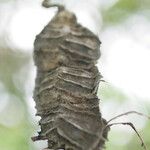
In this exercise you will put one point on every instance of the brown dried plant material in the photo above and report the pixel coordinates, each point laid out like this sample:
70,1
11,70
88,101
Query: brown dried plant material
65,54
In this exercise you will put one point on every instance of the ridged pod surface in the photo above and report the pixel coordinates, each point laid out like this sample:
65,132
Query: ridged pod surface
65,94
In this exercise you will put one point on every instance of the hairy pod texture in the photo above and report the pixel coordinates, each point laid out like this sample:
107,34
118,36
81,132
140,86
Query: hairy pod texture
65,94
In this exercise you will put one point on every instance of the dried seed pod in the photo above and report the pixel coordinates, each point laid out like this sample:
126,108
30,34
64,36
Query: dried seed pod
65,54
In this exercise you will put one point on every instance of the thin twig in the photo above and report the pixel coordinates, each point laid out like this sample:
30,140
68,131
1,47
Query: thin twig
127,113
47,4
133,127
37,138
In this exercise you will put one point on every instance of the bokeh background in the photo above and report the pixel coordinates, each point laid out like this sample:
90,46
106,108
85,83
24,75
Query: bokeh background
124,29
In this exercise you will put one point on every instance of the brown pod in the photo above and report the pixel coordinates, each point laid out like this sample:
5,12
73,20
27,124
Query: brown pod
65,94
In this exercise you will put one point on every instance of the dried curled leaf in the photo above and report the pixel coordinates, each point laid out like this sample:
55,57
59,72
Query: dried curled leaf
65,54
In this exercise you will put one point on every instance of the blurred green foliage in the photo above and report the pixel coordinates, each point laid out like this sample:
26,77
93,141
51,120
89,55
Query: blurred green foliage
110,93
16,136
123,9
